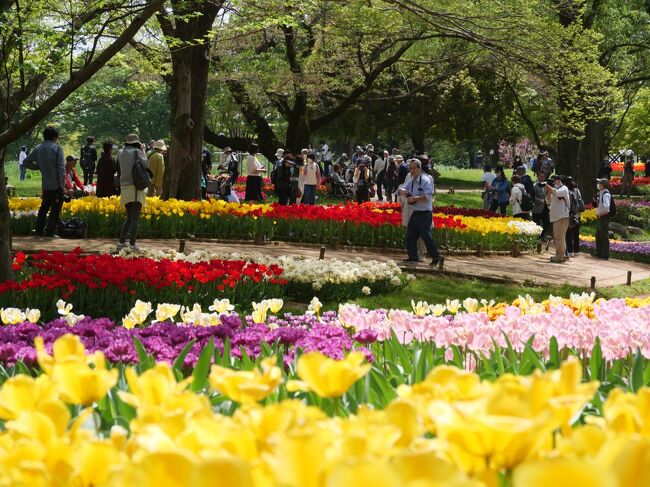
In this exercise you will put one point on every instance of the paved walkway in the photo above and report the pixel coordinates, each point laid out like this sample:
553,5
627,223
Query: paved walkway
531,268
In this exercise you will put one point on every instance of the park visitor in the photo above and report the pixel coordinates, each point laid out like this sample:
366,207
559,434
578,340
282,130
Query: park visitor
131,198
279,158
603,210
390,180
73,184
576,207
311,177
627,180
525,179
380,175
559,207
157,168
361,181
326,157
206,161
487,179
88,160
500,191
286,176
403,170
605,171
418,190
540,206
21,158
106,170
517,198
48,158
254,171
230,165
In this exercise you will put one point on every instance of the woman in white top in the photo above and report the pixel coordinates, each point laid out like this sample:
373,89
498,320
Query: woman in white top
254,175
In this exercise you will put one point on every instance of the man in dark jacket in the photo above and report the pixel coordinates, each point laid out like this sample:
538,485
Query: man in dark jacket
88,160
48,158
526,180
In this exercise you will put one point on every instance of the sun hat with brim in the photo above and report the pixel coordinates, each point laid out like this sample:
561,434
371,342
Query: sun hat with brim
279,153
160,145
399,158
132,139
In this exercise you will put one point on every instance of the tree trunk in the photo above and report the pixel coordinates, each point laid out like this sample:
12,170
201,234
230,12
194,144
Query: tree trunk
592,152
188,93
6,270
568,149
298,129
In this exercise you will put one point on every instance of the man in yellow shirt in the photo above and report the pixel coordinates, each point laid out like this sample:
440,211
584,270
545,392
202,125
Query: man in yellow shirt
157,168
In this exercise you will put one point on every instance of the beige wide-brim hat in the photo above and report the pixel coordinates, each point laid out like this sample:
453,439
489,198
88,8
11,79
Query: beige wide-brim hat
160,145
132,139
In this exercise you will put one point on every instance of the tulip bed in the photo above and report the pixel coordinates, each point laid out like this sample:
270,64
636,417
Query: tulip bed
107,285
464,393
369,224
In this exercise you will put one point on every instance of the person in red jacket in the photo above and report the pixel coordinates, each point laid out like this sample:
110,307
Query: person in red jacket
73,184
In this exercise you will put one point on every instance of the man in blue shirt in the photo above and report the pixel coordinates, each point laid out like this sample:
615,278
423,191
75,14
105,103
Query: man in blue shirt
418,189
48,158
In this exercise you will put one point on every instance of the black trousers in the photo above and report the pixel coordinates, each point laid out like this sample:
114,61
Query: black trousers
573,239
52,202
89,174
602,237
130,226
544,221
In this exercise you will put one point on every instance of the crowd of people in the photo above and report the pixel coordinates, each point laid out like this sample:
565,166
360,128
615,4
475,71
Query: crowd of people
553,202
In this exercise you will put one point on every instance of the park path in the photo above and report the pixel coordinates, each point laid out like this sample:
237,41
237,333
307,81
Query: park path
525,269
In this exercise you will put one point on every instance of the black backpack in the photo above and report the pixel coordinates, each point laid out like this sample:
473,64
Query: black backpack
72,228
141,175
612,205
527,201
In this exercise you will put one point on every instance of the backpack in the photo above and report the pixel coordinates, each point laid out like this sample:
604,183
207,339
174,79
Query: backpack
579,202
73,228
527,201
86,157
362,179
391,173
141,175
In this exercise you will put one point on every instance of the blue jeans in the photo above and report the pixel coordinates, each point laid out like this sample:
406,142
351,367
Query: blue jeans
309,194
419,226
23,171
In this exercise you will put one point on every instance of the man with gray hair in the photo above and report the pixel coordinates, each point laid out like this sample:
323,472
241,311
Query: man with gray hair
418,190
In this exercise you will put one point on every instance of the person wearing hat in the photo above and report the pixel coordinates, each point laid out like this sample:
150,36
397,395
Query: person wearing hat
286,181
403,170
157,168
106,171
72,182
131,198
21,166
230,165
418,191
604,200
88,160
560,204
279,157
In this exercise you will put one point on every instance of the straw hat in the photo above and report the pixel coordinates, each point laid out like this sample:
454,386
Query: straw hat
160,145
279,153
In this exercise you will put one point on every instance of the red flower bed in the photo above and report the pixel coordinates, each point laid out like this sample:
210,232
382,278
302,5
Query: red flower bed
615,182
114,281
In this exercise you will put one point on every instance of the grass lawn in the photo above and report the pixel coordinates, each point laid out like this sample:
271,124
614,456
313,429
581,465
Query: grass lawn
31,186
464,200
453,177
638,288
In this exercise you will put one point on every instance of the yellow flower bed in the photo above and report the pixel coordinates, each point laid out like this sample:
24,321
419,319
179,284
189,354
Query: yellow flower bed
451,429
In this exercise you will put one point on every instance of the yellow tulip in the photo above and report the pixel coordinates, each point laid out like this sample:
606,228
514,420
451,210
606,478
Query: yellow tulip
24,393
246,386
328,377
421,308
377,474
153,387
625,412
470,305
259,311
275,305
570,473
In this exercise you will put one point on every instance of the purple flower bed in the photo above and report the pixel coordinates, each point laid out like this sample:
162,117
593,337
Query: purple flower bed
166,340
636,251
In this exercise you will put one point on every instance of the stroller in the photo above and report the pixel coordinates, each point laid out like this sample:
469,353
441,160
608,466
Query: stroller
220,187
341,189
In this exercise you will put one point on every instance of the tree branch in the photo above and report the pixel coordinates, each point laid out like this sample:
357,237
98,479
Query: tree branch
79,77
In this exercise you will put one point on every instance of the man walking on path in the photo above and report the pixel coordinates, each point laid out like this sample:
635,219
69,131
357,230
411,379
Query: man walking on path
559,216
418,190
89,160
48,158
602,212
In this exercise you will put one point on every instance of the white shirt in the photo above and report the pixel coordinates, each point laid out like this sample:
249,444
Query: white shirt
516,196
380,165
21,157
604,202
488,177
253,166
560,204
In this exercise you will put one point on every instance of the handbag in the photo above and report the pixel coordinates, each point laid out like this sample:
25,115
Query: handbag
141,175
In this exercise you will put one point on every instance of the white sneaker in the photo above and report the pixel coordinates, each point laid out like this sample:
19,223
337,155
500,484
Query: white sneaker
134,248
120,246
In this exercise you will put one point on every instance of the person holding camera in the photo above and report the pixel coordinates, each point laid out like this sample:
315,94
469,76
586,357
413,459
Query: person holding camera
48,158
560,204
418,190
540,206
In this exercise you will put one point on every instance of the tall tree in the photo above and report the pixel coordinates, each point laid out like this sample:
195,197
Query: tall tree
39,40
187,27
